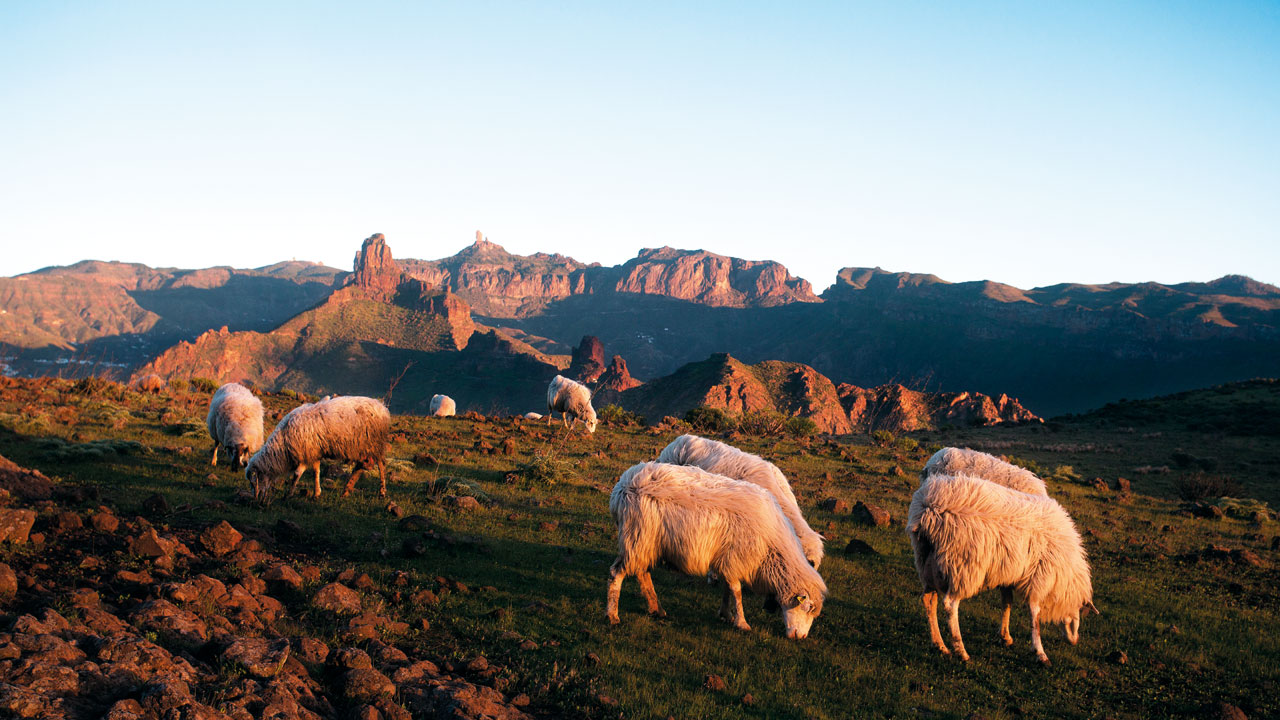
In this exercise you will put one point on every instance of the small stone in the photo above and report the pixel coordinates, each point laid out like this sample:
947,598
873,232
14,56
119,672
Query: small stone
548,526
462,503
521,700
748,699
65,522
858,547
1122,485
714,683
337,598
156,504
260,657
478,663
283,576
834,505
395,510
1119,657
366,684
8,583
311,650
150,544
593,658
528,645
220,539
15,525
414,523
104,522
606,700
1226,711
871,514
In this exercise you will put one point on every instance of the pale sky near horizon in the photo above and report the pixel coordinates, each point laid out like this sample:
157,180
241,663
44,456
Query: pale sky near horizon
1028,143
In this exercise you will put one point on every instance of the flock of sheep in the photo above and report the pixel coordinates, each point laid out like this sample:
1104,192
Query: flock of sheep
709,509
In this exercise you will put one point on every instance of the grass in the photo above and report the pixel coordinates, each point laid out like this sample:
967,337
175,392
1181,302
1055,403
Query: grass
535,564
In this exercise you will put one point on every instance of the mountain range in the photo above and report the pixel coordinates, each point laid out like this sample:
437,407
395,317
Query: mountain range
451,324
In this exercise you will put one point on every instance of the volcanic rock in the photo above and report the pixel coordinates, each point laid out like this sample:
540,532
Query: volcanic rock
15,524
871,514
220,539
337,598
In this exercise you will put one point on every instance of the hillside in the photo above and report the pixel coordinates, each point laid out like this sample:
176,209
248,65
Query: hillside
796,390
1064,348
476,589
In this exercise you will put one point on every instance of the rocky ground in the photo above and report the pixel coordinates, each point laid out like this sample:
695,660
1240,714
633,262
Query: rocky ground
128,618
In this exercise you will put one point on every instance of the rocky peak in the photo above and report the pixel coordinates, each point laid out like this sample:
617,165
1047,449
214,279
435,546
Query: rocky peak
375,271
616,377
899,409
711,279
587,363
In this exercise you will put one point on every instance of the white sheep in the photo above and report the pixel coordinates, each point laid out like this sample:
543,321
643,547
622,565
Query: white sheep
349,428
699,522
970,535
569,397
963,461
532,416
722,459
149,383
443,406
235,423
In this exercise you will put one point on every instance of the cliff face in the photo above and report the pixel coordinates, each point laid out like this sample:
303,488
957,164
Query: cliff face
500,284
375,271
897,409
587,362
711,279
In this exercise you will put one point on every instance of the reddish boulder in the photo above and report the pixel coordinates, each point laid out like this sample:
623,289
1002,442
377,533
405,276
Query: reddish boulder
220,539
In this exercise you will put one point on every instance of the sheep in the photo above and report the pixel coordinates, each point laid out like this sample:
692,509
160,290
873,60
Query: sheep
235,423
570,398
970,535
963,461
150,383
722,459
351,428
532,416
700,522
443,406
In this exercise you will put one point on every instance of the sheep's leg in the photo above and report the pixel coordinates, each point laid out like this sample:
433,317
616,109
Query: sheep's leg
616,576
650,597
1035,633
1006,594
952,606
550,412
739,618
317,469
214,460
356,472
724,602
930,600
298,472
564,417
382,476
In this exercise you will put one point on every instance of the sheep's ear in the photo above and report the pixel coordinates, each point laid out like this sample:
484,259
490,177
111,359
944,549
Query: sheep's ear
822,537
798,600
1089,607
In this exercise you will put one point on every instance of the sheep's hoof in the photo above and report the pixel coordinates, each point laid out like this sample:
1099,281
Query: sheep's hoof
613,620
943,649
346,493
1007,640
659,613
742,626
1044,660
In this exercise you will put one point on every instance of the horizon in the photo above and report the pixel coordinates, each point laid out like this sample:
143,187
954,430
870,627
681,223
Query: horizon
817,289
1030,146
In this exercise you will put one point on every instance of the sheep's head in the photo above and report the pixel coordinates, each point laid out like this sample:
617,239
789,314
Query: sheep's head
798,612
591,420
1072,624
259,481
240,456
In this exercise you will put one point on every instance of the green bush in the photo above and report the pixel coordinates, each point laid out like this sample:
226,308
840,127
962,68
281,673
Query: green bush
802,426
762,422
177,384
93,385
202,384
544,470
906,444
1200,485
1031,465
710,420
614,416
882,438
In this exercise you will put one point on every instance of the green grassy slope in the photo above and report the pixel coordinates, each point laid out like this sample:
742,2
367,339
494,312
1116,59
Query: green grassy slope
544,550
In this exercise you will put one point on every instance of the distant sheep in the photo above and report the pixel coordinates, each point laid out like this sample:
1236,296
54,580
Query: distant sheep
970,535
698,522
532,416
443,406
568,397
150,383
349,428
963,461
235,423
721,459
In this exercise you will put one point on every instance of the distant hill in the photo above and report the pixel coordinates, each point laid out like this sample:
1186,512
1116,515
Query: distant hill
1063,348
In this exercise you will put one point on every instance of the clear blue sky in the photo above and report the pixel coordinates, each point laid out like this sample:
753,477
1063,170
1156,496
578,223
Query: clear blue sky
1029,143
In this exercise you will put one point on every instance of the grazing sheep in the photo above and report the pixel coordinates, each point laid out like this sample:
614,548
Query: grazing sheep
963,461
235,423
150,383
722,459
699,522
568,397
971,535
532,416
350,428
443,406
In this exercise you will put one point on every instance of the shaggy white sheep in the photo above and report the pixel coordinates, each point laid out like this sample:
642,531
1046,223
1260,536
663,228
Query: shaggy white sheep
443,406
699,522
722,459
235,423
963,461
532,416
971,535
350,428
569,397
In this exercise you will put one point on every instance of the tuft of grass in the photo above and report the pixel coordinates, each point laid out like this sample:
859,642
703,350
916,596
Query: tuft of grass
1200,485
